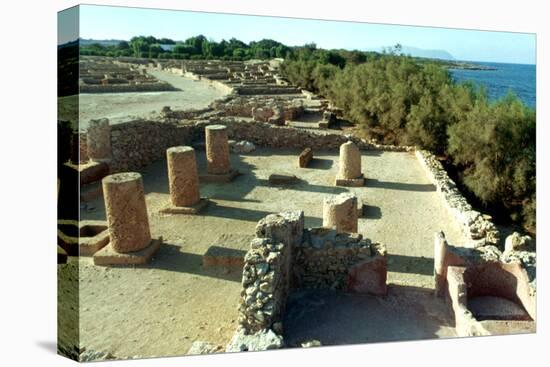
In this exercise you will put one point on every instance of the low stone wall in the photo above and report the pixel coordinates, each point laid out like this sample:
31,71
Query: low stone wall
137,144
342,261
283,256
119,88
479,230
268,135
260,108
267,268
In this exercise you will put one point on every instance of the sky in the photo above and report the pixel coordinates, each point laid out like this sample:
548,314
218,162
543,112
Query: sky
102,22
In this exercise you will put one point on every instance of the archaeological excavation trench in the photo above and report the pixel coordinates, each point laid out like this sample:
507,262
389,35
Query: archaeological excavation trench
228,225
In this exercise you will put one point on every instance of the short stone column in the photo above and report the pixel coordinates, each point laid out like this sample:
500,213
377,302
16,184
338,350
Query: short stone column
341,212
130,241
350,166
217,150
440,266
126,212
183,177
99,140
183,181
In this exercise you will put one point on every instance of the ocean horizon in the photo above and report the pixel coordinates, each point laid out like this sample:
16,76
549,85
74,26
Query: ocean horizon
519,78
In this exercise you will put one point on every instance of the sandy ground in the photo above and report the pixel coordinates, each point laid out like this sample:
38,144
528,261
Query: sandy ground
335,318
160,309
118,107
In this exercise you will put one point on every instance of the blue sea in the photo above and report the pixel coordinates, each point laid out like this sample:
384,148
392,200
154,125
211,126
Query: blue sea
520,78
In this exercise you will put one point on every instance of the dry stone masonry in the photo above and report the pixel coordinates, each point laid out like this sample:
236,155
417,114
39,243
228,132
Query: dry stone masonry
266,281
475,226
138,143
285,256
104,75
98,140
343,261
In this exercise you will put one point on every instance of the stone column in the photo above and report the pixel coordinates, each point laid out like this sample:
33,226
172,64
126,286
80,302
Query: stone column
440,266
217,150
183,176
126,212
341,212
99,140
350,161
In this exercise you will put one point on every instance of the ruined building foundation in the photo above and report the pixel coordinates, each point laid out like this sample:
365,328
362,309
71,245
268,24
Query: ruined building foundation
350,166
126,212
341,213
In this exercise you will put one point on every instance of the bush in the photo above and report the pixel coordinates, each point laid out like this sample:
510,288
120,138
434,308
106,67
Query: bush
495,144
397,100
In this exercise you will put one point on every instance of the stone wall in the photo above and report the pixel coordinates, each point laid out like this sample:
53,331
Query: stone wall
478,229
119,88
267,135
342,261
260,108
137,144
267,269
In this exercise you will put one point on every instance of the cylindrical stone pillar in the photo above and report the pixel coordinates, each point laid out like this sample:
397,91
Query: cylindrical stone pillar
350,161
99,140
126,212
341,212
217,149
440,266
183,176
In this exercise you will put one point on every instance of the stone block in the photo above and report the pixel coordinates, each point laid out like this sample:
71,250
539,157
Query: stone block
305,157
219,178
282,179
108,256
350,182
369,276
189,210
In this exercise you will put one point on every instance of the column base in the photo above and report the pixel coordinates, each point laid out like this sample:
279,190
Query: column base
191,210
219,178
108,256
350,182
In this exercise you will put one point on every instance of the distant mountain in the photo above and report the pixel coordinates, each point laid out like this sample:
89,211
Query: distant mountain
429,54
418,52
